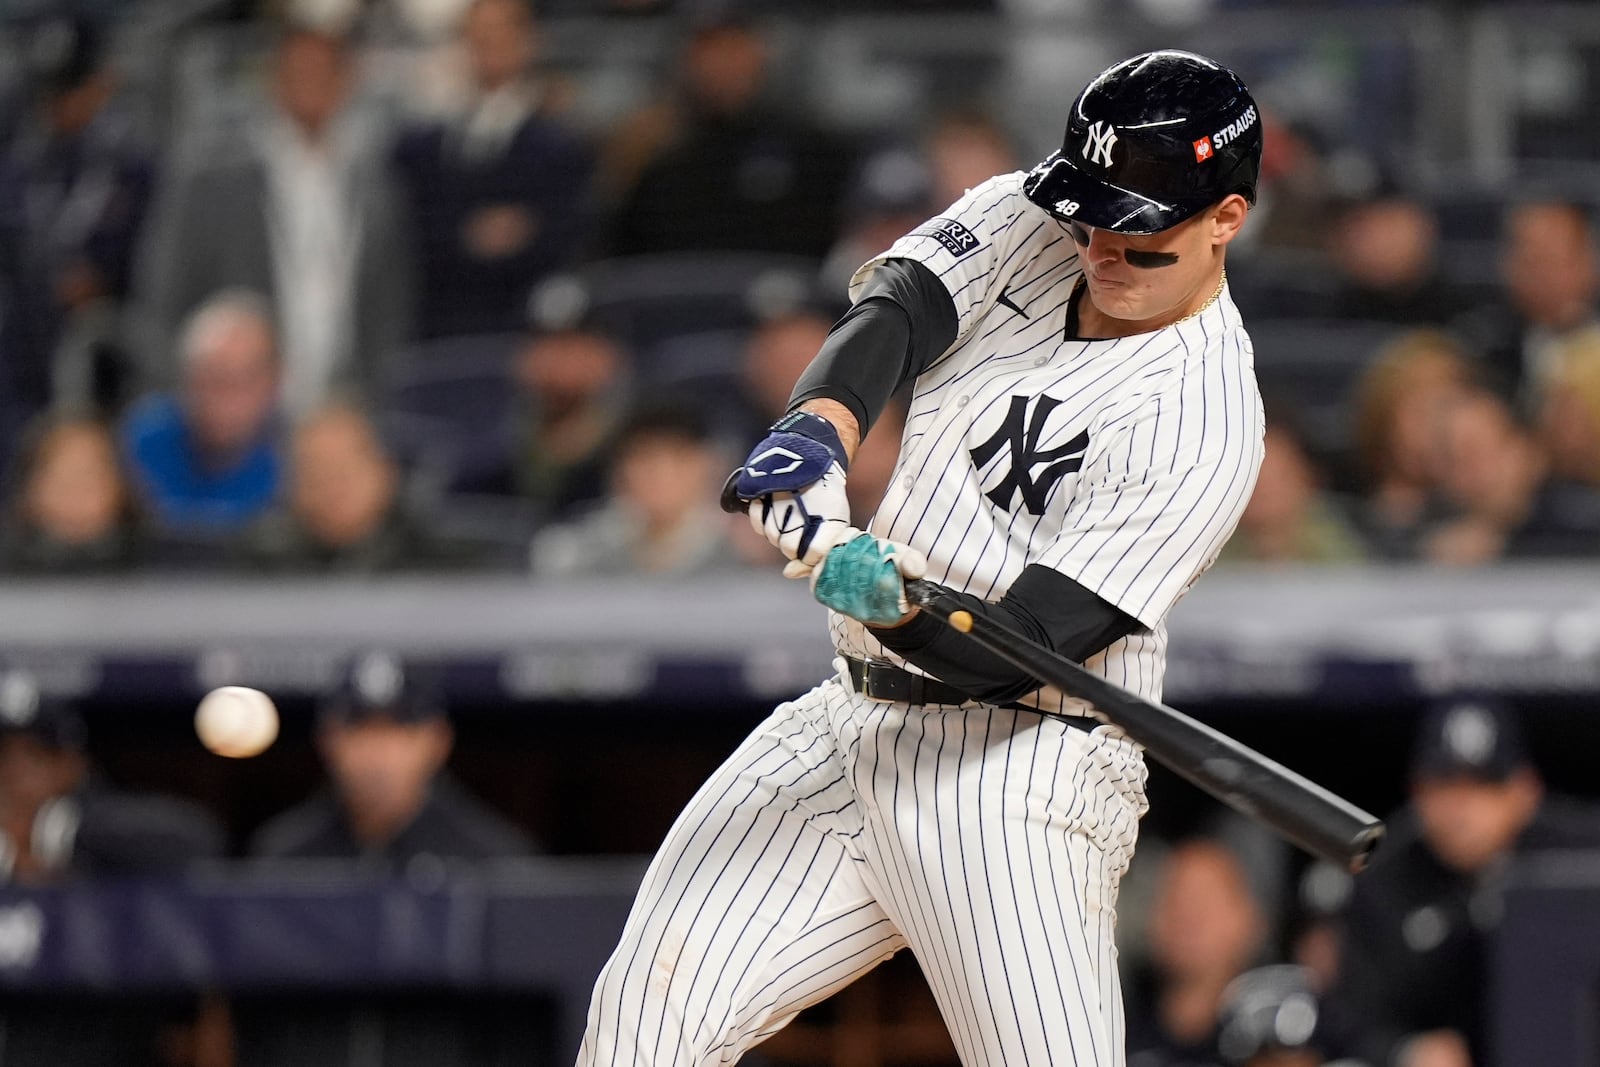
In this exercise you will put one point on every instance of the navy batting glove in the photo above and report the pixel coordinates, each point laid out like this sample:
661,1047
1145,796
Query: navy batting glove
792,486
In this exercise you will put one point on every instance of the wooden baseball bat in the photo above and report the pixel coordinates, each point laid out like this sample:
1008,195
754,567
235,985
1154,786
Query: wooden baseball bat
1322,823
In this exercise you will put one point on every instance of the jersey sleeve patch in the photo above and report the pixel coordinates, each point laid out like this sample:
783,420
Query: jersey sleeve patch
956,238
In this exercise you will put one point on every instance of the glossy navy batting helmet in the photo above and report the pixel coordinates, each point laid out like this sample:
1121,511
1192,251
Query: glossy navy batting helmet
1152,141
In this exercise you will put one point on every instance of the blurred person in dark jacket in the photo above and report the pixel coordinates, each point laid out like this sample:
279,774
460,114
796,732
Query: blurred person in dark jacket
75,186
718,167
1550,280
59,820
297,204
71,510
1419,920
392,810
661,517
346,511
208,458
500,192
1384,250
384,738
571,375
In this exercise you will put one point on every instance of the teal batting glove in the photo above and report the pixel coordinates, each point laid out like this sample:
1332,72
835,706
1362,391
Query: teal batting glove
864,577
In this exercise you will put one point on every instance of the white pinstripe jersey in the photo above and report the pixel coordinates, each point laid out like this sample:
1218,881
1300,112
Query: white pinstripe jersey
1124,463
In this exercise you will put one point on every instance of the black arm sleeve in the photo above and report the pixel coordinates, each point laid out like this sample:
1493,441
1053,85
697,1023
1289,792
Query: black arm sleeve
903,321
1042,604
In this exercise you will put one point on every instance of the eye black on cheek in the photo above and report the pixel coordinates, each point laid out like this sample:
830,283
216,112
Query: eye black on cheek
1149,260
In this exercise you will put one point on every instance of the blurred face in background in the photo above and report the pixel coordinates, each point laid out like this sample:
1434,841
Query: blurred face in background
230,382
500,41
965,151
382,768
1569,415
74,491
1468,821
1205,921
311,79
344,482
775,356
1386,244
1491,468
569,370
1548,264
724,69
33,772
662,477
1405,397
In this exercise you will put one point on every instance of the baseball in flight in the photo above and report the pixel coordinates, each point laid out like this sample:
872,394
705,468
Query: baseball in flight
236,721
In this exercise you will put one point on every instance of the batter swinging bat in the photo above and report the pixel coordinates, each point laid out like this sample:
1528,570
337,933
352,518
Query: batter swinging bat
1318,821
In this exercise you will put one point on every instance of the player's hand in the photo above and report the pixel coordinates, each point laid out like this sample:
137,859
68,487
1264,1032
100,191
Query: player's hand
864,577
792,487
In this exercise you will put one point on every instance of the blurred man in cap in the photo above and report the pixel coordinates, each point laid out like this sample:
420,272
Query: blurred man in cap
1419,920
58,820
384,738
389,808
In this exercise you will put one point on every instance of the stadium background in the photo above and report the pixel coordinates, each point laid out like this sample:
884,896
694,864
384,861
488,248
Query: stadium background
589,699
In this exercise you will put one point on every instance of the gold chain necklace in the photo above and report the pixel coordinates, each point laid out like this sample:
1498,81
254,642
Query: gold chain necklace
1212,299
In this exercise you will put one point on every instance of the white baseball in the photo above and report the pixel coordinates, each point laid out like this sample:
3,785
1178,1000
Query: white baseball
236,721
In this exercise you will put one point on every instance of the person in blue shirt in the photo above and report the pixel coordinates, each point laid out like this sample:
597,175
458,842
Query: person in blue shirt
207,459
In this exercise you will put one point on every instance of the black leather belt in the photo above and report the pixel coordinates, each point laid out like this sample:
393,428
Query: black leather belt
884,681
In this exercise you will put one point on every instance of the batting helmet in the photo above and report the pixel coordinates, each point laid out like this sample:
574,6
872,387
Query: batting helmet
1150,142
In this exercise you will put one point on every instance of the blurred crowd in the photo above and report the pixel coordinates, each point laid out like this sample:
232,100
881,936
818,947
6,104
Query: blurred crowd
392,304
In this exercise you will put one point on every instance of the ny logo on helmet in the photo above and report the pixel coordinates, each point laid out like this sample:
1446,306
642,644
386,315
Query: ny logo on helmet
1101,140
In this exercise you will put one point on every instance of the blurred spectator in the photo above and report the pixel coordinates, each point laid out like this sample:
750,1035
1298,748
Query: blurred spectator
207,458
345,510
303,213
1401,403
776,352
71,510
75,183
1420,918
390,808
1206,927
499,193
1294,201
719,167
662,517
1494,479
1569,413
892,194
385,739
1551,279
1385,251
571,377
59,820
964,150
1290,517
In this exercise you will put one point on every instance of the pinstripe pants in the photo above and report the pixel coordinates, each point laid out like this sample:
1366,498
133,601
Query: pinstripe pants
990,842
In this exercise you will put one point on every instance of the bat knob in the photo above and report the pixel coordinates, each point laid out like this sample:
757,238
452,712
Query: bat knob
961,620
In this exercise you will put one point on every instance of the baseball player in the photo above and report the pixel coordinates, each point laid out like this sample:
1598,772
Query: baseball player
1083,433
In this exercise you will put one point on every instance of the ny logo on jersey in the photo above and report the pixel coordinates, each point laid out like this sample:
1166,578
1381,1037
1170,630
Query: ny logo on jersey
1022,431
1098,145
